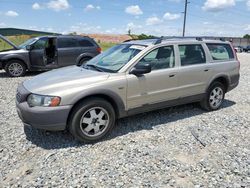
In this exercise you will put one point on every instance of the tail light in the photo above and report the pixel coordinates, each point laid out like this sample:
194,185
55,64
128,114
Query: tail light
99,49
235,55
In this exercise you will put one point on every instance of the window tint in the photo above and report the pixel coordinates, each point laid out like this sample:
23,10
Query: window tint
191,54
85,43
67,43
40,44
220,51
160,58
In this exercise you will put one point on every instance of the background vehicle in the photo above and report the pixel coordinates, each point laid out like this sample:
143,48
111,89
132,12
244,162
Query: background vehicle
246,49
238,49
127,79
47,52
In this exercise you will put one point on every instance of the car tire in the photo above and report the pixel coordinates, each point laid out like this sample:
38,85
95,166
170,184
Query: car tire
15,68
91,120
214,97
83,61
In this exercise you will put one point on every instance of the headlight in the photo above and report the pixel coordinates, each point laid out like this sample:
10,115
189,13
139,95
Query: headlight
40,100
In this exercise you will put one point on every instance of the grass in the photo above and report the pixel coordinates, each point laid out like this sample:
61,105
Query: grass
19,39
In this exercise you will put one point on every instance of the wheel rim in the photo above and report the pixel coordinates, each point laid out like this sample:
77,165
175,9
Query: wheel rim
15,69
216,97
94,121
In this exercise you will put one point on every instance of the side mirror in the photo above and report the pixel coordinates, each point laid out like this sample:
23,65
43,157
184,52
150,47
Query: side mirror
139,70
28,47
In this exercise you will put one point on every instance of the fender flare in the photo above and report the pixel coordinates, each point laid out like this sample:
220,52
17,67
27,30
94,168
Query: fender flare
15,56
78,59
226,77
114,98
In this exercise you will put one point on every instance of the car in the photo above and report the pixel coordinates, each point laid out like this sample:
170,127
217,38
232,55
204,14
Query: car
127,79
46,53
238,49
246,49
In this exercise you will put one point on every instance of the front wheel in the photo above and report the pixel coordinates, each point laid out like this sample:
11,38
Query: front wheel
15,68
214,97
91,120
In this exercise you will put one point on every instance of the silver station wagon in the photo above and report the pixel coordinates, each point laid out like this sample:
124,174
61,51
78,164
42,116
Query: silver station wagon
129,78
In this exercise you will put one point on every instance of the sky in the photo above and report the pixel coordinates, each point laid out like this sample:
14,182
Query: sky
155,17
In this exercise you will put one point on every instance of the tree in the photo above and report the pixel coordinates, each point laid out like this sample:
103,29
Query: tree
246,36
143,36
129,31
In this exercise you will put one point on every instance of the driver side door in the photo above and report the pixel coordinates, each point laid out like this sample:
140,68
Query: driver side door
37,53
160,85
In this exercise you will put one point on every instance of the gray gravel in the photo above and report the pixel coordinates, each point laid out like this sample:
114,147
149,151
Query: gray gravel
155,149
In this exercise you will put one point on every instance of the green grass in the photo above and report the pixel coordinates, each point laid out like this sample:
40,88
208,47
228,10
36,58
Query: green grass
106,45
21,38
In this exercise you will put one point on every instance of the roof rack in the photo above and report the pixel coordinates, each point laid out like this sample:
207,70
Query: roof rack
159,40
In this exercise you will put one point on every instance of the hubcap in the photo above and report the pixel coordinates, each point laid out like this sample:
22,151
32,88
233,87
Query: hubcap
94,121
216,97
15,69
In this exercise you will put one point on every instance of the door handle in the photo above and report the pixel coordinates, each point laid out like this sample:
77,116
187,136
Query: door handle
171,75
207,69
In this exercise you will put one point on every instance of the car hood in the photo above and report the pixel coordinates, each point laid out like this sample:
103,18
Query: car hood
57,81
13,51
8,41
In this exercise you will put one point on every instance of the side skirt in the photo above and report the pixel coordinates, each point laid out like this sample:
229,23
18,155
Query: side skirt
165,104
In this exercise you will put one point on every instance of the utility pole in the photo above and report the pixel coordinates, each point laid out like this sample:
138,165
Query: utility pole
185,16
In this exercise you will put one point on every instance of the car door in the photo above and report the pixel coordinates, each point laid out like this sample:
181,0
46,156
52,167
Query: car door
36,52
160,85
68,51
194,71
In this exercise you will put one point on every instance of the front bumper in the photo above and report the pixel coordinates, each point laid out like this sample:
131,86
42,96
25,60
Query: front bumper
47,118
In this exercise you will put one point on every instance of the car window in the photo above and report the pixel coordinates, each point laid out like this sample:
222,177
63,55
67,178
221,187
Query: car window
160,58
40,44
67,43
116,57
191,54
85,43
220,51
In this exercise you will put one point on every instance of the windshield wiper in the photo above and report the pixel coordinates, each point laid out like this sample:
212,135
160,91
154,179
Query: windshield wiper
93,66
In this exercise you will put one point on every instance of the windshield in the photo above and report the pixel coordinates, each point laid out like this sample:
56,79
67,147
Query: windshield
115,58
27,42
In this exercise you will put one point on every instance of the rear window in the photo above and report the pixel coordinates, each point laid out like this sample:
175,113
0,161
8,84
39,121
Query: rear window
220,51
67,43
85,43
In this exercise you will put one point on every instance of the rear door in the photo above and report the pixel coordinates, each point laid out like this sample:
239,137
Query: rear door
160,85
68,51
194,71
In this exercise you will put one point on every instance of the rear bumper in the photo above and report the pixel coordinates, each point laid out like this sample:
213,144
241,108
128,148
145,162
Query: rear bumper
47,118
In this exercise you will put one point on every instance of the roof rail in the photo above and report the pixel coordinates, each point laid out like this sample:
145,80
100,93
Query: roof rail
159,40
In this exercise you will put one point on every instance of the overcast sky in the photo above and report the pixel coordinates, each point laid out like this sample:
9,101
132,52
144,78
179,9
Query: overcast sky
156,17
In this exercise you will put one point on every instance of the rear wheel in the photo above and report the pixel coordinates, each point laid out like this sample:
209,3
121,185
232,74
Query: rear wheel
15,68
214,97
91,120
84,60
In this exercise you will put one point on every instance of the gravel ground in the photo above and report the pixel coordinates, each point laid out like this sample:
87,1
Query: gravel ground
155,149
